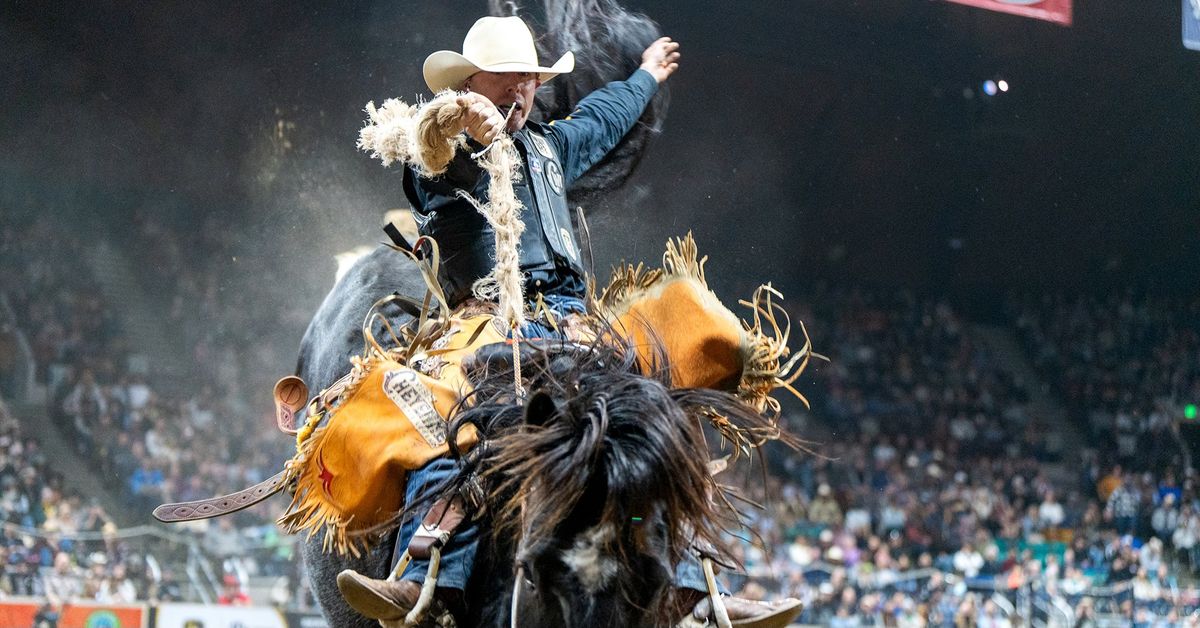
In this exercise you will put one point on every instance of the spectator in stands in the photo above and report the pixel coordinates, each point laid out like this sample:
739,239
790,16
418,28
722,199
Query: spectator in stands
1150,556
1050,512
968,561
223,539
824,509
45,617
138,396
84,405
63,584
14,502
95,578
965,615
1185,536
232,593
146,485
118,588
1122,507
1168,487
989,617
1165,519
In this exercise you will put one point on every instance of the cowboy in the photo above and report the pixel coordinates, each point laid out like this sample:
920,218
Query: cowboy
498,73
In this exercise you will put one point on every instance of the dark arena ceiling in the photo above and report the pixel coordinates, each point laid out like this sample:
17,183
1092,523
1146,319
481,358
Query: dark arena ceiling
806,139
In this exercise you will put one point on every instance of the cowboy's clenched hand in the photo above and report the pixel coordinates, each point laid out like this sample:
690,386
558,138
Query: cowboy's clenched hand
661,59
481,120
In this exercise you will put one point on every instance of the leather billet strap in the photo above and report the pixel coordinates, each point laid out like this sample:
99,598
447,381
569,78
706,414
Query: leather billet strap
703,549
397,238
223,505
436,528
291,394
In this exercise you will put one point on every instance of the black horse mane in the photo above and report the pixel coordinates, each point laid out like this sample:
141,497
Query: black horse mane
590,419
607,41
595,444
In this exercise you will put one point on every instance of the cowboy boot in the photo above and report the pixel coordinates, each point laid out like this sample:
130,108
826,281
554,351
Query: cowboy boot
390,600
743,613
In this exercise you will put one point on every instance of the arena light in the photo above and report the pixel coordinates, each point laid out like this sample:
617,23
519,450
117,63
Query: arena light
1002,84
990,88
1189,412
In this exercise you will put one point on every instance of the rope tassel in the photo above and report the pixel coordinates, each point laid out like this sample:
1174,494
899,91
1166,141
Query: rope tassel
504,284
427,138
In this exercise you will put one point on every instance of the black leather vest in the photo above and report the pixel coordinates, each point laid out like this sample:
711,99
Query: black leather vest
466,240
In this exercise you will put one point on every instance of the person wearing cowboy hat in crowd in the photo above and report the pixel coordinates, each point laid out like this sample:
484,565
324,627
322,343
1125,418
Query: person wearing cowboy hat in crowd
498,73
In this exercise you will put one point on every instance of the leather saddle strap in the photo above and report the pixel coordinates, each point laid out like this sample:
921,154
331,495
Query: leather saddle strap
701,546
435,530
290,396
706,550
223,505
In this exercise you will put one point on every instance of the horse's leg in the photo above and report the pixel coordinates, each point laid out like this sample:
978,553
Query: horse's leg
332,337
489,590
323,568
375,597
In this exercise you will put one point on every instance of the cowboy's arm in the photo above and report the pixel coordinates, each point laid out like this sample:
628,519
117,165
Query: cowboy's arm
599,122
606,115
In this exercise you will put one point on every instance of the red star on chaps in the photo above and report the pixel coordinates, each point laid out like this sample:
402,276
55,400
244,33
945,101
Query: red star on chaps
326,476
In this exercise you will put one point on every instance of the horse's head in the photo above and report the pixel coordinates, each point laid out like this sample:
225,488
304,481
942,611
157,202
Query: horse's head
612,478
601,482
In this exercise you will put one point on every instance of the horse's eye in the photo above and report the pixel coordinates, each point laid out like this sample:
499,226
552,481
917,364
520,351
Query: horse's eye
526,575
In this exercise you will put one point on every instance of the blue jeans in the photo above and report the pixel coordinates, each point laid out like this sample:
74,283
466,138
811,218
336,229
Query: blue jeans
561,305
458,557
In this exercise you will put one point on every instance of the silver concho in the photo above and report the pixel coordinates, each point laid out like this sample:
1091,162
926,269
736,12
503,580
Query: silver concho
554,176
542,146
568,244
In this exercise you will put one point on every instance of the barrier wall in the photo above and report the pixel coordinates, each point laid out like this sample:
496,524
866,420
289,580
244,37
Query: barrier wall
203,616
21,613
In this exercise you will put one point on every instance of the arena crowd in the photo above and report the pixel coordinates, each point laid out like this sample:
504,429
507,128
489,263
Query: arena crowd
933,496
936,489
159,447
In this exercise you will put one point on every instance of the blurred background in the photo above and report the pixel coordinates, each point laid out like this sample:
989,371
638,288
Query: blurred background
988,221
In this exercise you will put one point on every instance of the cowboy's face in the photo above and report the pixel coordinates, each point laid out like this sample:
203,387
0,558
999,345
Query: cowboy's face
505,89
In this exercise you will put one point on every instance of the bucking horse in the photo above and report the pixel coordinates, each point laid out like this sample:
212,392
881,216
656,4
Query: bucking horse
586,462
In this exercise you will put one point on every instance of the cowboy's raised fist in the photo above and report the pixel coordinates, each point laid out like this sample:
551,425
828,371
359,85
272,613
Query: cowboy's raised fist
481,120
661,59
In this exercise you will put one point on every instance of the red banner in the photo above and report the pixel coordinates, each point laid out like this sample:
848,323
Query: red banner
1051,10
81,615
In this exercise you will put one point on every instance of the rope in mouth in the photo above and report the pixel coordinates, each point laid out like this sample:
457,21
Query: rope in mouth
483,152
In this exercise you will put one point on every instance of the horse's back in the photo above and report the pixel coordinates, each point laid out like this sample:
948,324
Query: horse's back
335,333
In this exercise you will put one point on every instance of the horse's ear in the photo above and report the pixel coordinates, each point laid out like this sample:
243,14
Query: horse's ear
540,409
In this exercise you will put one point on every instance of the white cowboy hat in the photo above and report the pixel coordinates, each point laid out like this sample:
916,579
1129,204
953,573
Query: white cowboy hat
494,44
